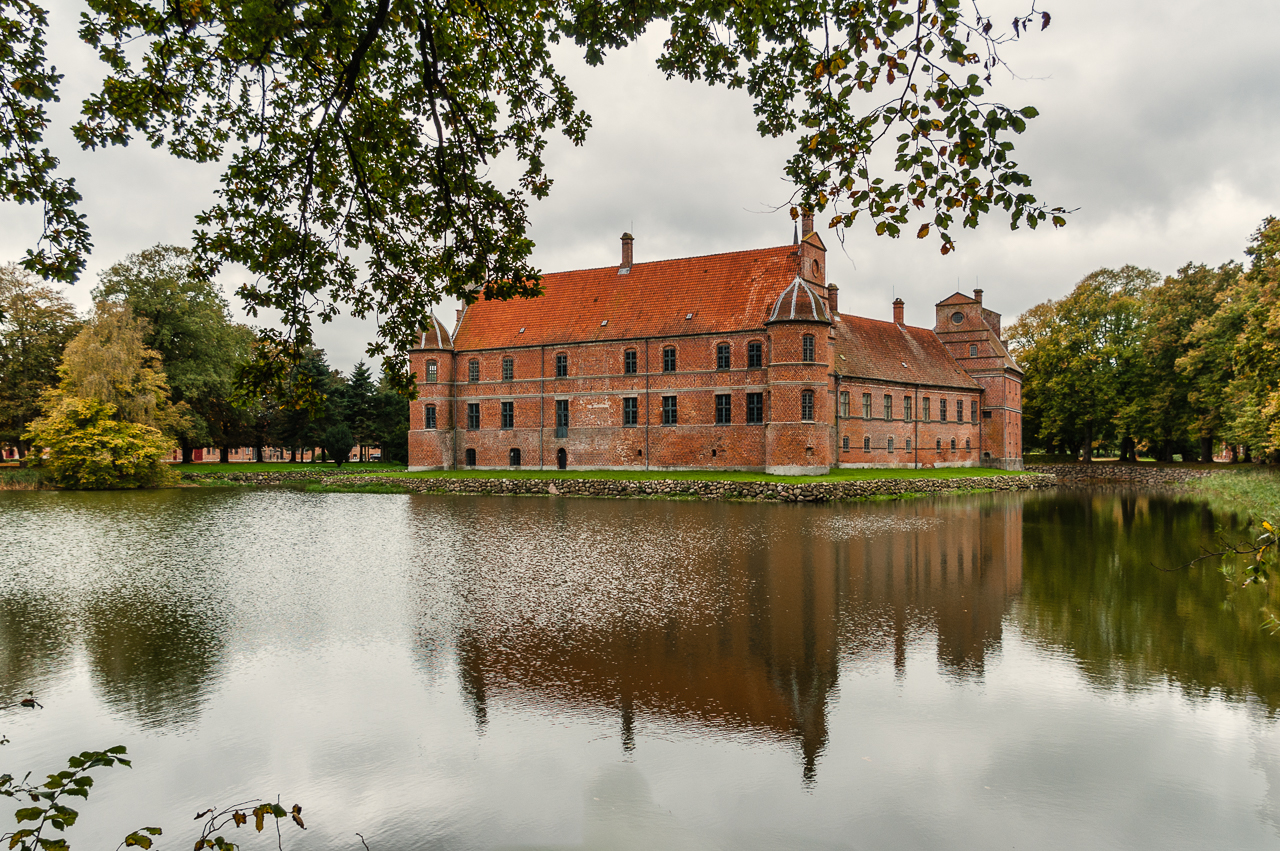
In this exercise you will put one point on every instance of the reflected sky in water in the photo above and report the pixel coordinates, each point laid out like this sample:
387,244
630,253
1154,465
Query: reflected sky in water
471,673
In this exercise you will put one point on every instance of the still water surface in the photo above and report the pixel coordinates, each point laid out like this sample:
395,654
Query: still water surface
992,671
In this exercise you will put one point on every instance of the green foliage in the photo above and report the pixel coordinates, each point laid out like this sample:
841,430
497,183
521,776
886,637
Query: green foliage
89,449
188,323
50,813
355,487
27,170
1174,367
36,323
21,478
357,139
338,443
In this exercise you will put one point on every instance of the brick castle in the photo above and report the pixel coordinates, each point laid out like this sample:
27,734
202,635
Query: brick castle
738,361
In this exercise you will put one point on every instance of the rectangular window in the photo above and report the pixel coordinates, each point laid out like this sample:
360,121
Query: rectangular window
906,408
924,409
806,349
562,418
508,414
562,365
669,359
846,443
755,407
629,362
724,409
844,403
432,372
630,411
473,415
755,356
473,370
508,369
722,356
430,421
986,415
942,410
973,411
866,406
959,410
888,407
806,406
669,416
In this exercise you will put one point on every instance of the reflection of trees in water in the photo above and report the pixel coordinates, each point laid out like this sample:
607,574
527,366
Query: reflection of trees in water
154,660
1091,587
34,637
752,640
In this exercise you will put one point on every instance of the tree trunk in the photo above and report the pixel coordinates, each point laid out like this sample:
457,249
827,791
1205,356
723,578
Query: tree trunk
1088,445
1206,449
188,453
1235,454
293,455
1127,450
224,455
258,453
1248,454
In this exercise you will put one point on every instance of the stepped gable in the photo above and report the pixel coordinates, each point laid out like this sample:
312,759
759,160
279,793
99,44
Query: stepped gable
900,354
434,335
799,303
717,293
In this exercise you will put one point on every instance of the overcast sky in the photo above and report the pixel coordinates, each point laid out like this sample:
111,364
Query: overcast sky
1158,122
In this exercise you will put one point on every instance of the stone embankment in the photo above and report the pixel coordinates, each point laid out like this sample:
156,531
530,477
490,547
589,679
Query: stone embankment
1114,474
697,489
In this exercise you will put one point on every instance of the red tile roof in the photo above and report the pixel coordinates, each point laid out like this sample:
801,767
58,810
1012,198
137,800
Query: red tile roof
718,293
883,351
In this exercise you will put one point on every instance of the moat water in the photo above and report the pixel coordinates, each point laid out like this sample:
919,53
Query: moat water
979,672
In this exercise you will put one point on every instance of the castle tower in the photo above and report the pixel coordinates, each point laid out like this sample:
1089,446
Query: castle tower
971,334
799,415
431,433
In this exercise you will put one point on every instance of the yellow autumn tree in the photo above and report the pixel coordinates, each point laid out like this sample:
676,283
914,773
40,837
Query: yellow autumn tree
107,423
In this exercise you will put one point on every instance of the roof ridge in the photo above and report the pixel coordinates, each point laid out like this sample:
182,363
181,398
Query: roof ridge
788,247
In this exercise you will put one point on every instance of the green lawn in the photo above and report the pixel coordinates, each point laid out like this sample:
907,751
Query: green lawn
286,467
708,475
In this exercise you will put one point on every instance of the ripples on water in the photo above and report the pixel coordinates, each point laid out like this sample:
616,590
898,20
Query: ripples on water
518,672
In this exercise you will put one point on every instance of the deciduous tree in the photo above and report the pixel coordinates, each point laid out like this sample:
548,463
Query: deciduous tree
36,323
358,139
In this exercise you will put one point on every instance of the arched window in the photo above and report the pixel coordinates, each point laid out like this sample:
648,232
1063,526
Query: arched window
866,444
508,369
722,356
806,406
429,420
953,444
908,446
891,444
939,444
432,372
514,457
473,370
966,444
562,365
669,359
806,348
471,457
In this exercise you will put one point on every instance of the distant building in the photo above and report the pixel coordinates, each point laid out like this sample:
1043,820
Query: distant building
737,361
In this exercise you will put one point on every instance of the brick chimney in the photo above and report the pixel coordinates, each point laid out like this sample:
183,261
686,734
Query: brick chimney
457,318
806,223
627,241
977,296
897,311
833,293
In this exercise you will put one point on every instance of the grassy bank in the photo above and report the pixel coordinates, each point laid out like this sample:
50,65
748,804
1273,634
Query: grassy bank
355,487
320,468
21,479
1245,491
708,475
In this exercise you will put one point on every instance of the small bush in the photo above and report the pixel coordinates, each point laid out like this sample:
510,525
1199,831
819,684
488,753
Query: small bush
338,442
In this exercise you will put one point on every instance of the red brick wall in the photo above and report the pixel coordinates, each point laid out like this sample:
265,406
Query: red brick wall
923,434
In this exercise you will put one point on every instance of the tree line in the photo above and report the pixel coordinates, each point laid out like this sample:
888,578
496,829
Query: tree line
160,352
1131,363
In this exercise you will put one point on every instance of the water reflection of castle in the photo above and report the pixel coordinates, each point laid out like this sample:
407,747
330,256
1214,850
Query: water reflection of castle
845,583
